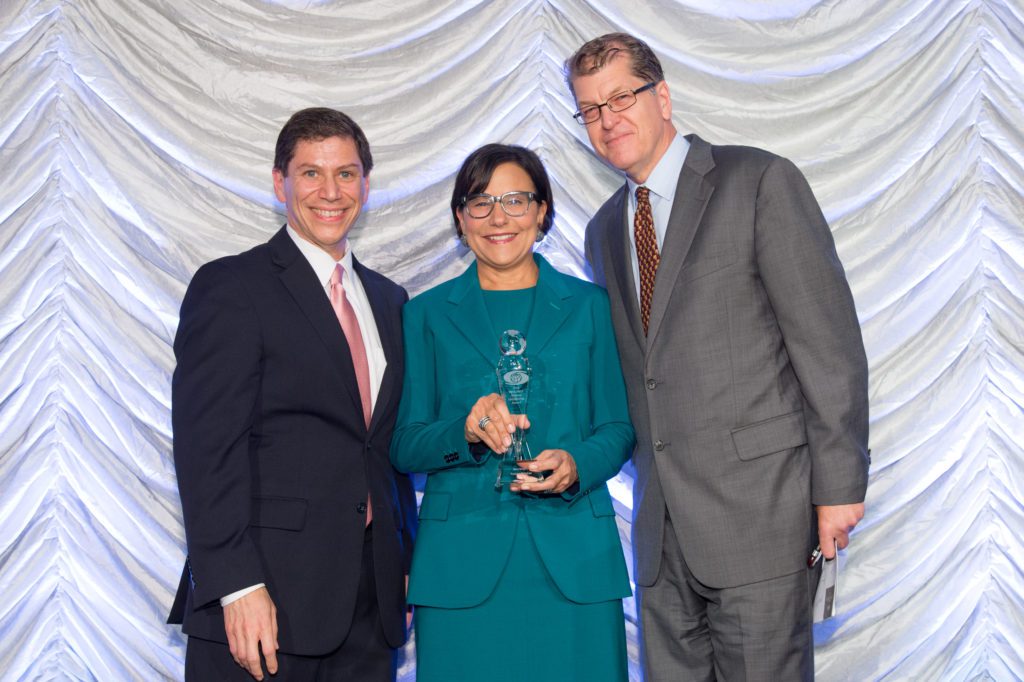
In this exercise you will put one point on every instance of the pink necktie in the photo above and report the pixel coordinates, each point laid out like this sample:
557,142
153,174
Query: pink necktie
350,326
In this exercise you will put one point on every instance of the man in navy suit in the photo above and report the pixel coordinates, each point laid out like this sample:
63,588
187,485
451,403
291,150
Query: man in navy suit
289,371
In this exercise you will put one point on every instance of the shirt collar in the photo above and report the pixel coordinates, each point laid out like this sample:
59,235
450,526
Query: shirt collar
320,260
665,176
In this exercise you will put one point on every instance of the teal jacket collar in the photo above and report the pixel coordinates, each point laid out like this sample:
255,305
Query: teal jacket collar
551,306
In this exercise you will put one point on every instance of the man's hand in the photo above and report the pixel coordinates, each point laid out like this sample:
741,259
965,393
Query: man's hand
834,525
251,623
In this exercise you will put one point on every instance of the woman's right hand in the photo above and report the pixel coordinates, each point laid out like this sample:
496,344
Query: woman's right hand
499,425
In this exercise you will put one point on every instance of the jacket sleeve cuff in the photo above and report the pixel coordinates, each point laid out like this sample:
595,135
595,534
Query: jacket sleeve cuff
478,451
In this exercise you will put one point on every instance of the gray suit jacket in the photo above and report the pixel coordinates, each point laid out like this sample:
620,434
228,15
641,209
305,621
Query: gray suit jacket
749,393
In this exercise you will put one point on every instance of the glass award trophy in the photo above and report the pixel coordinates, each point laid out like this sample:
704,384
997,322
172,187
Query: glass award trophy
513,372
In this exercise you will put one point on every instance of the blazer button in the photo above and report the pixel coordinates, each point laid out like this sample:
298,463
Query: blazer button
651,384
361,508
659,446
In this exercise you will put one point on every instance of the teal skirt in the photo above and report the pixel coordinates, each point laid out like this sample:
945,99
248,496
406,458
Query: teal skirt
525,631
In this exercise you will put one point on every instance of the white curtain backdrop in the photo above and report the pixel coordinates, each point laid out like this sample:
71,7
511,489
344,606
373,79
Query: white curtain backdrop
137,139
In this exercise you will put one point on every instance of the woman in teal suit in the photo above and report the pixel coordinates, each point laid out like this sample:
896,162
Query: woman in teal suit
525,582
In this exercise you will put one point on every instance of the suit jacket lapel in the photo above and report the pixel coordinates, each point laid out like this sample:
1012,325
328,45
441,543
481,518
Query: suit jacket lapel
301,282
384,318
693,191
550,307
469,315
617,247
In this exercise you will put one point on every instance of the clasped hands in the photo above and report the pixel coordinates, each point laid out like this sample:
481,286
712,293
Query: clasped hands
489,422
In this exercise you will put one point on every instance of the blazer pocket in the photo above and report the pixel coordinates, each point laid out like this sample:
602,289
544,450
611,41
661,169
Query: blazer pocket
434,507
284,513
705,266
601,505
770,436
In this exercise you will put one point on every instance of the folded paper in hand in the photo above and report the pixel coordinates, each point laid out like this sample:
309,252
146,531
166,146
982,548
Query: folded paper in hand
828,585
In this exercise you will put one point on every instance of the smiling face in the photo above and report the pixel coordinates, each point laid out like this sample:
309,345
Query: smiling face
503,245
632,140
323,191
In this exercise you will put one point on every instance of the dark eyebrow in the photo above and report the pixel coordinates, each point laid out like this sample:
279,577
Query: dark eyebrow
348,166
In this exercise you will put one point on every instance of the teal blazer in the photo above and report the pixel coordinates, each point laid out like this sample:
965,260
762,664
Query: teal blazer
577,403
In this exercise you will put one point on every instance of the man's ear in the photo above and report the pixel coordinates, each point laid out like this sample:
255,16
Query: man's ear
664,100
279,185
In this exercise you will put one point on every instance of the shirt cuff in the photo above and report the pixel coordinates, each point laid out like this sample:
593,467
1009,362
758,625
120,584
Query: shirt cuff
235,596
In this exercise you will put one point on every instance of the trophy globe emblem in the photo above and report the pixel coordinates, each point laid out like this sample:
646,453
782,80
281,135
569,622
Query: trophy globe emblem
513,372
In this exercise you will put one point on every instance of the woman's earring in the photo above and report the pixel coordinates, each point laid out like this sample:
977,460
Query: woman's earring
540,236
462,238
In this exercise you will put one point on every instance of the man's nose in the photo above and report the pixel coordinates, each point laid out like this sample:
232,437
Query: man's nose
608,117
331,189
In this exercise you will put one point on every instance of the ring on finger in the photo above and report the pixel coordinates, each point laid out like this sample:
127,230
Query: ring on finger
484,421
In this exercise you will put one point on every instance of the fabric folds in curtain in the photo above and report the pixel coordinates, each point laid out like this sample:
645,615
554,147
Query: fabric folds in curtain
137,138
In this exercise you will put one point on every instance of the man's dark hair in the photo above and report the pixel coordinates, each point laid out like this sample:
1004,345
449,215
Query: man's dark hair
595,54
319,123
479,166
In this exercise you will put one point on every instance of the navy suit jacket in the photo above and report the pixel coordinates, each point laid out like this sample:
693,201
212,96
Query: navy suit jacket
273,458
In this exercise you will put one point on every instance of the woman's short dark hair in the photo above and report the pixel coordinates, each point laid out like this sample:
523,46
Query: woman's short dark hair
319,123
479,166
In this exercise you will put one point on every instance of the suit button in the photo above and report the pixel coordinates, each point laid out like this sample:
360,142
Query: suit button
361,508
651,383
659,446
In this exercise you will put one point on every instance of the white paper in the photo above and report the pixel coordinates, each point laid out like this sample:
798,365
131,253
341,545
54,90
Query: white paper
828,587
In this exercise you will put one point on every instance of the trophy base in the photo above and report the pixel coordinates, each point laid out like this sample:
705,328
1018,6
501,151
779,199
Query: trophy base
509,472
509,469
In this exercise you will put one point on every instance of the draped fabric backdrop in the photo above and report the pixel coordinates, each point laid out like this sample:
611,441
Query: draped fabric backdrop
137,139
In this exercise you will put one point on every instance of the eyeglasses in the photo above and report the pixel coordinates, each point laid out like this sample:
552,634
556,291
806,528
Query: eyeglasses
514,204
617,102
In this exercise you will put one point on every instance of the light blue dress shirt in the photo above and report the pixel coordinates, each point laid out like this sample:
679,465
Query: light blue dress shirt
662,183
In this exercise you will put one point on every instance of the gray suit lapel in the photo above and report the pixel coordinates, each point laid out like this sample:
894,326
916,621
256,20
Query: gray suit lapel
693,191
618,261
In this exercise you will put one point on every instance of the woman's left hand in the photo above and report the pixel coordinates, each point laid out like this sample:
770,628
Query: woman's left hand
563,473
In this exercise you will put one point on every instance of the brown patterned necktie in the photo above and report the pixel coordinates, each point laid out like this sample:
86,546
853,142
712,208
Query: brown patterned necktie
647,256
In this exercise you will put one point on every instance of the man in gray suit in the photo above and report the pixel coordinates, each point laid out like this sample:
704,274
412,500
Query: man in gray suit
746,375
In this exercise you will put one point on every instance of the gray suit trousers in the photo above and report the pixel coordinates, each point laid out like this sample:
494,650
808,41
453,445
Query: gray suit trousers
759,631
